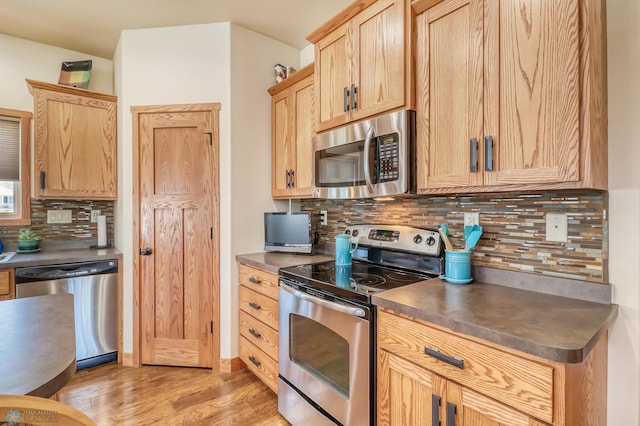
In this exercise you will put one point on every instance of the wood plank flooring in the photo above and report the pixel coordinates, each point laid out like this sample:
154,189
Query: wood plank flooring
151,395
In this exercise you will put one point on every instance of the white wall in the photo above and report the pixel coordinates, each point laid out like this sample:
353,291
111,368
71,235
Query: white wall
20,59
623,38
188,64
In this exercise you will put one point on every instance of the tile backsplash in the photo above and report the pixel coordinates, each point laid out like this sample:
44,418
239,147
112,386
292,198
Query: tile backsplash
80,229
513,227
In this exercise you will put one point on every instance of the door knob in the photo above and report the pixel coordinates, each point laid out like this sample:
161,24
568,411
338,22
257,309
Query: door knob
146,251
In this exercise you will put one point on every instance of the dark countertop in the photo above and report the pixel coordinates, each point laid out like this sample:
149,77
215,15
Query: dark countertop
549,326
272,261
506,312
38,345
53,256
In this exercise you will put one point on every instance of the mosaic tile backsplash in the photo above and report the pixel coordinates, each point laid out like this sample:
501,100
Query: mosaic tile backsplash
80,229
513,225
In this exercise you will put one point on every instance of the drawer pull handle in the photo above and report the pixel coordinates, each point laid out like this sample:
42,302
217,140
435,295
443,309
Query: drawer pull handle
254,280
255,306
254,361
254,333
452,360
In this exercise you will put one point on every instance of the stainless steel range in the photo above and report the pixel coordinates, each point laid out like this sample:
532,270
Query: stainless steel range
327,323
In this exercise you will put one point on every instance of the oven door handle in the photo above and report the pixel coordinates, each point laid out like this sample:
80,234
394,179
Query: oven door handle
367,169
349,310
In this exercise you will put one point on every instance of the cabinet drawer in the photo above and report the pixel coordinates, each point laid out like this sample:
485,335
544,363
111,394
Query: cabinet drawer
259,306
519,382
256,279
258,333
259,363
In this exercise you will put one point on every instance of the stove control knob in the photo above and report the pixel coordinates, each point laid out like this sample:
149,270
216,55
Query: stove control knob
348,232
431,241
417,239
355,233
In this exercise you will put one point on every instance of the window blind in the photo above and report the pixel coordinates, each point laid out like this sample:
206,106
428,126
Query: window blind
9,149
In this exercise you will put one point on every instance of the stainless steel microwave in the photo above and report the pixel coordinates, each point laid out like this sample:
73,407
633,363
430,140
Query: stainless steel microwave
370,158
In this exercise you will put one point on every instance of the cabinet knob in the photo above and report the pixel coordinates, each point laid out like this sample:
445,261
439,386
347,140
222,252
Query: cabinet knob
146,251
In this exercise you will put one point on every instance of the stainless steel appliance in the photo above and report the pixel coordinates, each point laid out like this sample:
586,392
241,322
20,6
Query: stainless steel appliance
327,323
94,286
371,158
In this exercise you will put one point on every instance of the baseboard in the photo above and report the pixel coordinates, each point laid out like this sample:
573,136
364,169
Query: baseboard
231,365
127,359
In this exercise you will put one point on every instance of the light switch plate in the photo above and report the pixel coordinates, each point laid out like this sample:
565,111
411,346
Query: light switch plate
94,216
556,227
58,216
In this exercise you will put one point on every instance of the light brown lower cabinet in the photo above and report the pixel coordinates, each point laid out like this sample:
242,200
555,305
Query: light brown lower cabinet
258,323
428,375
7,284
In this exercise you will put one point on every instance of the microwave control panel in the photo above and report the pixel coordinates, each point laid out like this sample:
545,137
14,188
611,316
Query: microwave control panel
388,158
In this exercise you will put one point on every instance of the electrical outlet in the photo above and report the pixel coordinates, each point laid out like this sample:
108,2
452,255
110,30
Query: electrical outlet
471,219
323,217
94,216
556,227
58,216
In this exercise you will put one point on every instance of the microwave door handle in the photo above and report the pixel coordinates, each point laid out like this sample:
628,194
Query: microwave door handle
356,312
367,169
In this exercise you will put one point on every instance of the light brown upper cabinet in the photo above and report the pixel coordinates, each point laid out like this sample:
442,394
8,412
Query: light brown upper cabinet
363,62
292,130
511,95
75,142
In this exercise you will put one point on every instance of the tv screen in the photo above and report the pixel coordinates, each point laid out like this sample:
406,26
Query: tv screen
287,231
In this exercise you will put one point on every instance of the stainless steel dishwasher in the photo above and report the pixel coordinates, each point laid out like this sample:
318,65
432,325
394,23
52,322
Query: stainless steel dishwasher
94,286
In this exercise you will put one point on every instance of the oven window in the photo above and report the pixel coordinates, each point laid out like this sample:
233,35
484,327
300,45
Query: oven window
320,351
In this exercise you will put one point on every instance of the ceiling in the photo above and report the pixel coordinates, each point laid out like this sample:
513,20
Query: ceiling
93,26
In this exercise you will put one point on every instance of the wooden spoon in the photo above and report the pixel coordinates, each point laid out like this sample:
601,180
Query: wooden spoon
445,238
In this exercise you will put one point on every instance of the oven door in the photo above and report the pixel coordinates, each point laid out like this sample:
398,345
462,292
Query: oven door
324,354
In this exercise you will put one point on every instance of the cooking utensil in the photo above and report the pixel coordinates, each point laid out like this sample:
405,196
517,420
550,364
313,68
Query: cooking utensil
445,238
472,240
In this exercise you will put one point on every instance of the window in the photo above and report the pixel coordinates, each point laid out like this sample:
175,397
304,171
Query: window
15,127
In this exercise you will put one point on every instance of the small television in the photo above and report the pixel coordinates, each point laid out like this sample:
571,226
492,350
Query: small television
287,232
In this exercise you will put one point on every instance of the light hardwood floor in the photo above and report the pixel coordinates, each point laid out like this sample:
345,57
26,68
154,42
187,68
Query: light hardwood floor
150,395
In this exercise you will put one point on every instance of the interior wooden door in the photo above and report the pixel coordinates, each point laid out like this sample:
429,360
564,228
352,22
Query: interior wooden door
178,263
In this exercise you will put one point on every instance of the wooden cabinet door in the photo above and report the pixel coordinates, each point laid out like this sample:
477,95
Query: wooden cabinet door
532,92
468,408
282,144
405,391
378,55
449,94
302,93
333,76
292,148
75,145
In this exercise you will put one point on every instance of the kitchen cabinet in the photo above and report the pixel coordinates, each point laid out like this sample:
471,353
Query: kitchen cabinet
258,323
363,62
7,284
427,372
292,131
75,142
510,95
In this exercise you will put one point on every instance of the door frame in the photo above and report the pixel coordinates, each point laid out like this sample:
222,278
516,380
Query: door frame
136,111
